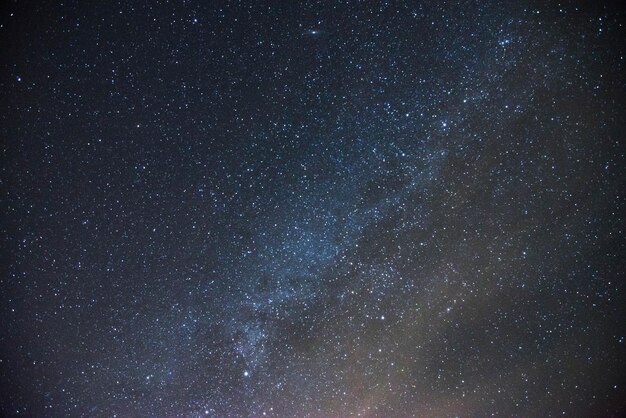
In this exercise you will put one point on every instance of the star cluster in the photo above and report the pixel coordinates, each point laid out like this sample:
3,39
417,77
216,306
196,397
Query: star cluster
375,209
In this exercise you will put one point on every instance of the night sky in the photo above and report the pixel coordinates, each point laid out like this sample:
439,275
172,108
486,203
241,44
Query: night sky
316,209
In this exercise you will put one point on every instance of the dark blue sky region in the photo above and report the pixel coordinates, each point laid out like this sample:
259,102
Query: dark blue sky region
320,209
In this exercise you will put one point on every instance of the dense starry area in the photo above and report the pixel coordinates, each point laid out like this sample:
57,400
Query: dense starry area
323,209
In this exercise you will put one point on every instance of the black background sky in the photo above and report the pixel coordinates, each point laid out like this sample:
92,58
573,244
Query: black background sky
325,209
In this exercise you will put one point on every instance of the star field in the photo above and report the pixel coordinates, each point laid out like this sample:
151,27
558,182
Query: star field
319,209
